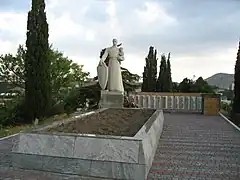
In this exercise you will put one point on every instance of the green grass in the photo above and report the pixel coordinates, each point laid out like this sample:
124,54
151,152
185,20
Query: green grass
7,131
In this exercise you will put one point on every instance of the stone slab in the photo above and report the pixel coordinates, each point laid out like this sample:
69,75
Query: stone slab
111,99
42,144
107,149
91,155
150,134
72,166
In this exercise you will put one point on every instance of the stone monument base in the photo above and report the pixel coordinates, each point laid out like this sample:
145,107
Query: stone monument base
111,99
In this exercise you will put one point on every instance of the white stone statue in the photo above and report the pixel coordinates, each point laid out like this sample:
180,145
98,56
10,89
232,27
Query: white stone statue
116,55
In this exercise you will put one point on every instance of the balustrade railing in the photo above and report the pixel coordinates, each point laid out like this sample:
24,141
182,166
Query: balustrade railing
190,102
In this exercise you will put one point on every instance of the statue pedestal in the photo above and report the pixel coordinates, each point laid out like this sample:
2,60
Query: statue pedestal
111,99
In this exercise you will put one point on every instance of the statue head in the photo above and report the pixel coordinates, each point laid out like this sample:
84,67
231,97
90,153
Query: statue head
115,42
121,49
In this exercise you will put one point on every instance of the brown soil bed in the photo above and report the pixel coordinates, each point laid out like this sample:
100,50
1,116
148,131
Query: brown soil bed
116,122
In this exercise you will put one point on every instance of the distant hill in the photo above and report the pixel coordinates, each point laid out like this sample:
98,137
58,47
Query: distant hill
221,80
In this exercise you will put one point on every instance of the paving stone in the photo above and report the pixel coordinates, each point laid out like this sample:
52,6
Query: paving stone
197,147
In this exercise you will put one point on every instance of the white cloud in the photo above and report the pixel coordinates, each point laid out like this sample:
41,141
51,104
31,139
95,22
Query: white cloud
205,65
81,38
63,26
12,25
153,12
13,22
90,35
6,47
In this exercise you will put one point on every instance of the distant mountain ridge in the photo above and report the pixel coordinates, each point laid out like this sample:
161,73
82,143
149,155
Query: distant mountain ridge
221,80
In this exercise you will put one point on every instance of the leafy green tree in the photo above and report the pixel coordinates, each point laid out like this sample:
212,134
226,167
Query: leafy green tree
64,72
236,100
37,63
12,112
175,87
199,86
202,86
12,68
130,81
186,85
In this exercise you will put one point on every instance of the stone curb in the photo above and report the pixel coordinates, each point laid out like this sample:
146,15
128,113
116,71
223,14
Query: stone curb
57,122
230,122
6,137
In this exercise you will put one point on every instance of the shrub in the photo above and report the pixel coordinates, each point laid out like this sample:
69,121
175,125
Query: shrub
57,108
75,99
226,107
129,103
13,112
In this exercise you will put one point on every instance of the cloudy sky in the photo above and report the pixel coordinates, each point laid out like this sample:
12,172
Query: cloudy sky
202,35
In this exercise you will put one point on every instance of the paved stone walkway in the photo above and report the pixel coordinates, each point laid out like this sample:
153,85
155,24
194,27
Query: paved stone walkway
191,147
197,147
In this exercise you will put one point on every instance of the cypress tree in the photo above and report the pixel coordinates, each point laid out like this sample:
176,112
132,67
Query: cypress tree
147,85
168,75
154,72
161,81
146,80
150,71
37,63
236,101
144,84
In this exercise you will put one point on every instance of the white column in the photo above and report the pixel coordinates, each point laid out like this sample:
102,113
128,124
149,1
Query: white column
167,99
149,101
145,101
199,99
159,102
186,103
193,103
177,102
170,100
181,105
154,102
164,102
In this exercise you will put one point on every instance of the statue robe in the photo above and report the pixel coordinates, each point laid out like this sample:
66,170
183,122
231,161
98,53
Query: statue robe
115,82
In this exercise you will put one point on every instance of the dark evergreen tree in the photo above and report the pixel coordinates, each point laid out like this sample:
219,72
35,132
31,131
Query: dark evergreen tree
162,78
145,81
168,75
154,72
37,63
236,100
149,74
